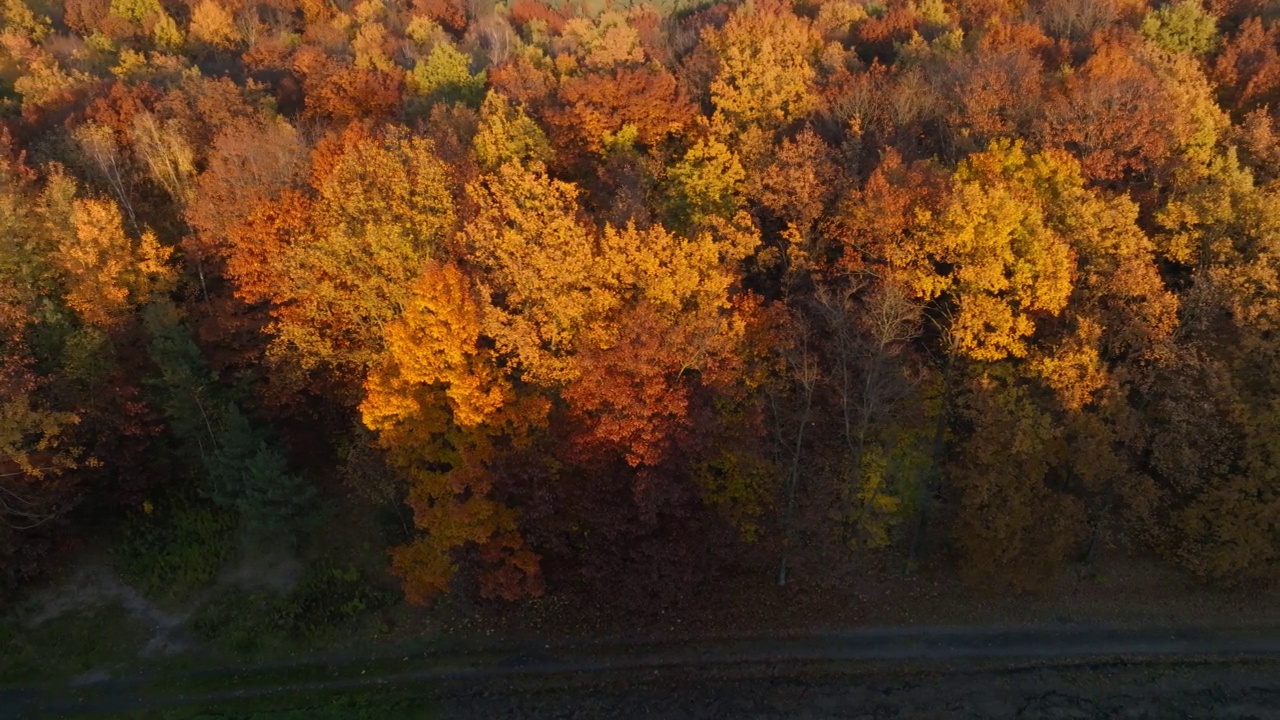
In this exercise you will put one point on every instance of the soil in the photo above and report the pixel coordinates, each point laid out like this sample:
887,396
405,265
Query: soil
1155,692
1130,640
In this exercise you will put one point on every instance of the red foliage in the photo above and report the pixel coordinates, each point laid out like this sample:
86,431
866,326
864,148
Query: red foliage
1248,70
451,14
524,11
592,105
1113,115
349,94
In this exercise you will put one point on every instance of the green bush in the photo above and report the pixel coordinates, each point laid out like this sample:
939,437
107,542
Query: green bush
238,622
178,546
331,595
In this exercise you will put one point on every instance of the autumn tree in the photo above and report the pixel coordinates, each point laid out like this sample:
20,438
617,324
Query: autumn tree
336,266
766,69
444,411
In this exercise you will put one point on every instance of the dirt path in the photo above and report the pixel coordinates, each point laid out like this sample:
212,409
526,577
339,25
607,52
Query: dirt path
691,678
95,584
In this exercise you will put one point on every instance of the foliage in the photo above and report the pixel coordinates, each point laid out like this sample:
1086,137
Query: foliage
175,545
330,597
445,76
1183,26
240,469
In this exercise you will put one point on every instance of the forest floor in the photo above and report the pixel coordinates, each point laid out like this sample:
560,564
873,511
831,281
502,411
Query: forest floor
1128,637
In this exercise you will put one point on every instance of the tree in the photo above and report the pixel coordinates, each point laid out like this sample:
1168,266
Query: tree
445,75
868,371
337,267
507,134
1182,26
766,66
645,101
1211,414
213,25
539,258
107,273
239,468
442,410
1006,265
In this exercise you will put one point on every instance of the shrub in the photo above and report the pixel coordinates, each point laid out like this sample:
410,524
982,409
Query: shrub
175,547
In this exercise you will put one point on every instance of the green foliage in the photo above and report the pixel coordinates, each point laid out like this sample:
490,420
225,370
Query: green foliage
507,134
706,183
240,468
19,18
330,597
1182,26
137,11
251,476
889,484
740,485
175,546
445,76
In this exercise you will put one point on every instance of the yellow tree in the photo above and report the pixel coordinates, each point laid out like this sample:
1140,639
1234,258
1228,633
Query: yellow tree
1004,265
617,323
538,255
1038,283
766,72
381,206
1214,421
507,134
107,274
441,408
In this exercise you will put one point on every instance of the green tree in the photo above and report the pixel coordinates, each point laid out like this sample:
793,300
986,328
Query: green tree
239,467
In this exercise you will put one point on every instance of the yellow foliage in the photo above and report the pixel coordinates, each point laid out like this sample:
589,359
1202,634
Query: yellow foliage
707,183
18,17
383,206
506,134
27,431
605,42
1003,263
437,399
45,82
424,31
542,259
213,25
1074,369
166,33
435,342
368,46
108,274
766,75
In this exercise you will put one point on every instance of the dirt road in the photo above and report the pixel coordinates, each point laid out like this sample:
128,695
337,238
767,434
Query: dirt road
976,672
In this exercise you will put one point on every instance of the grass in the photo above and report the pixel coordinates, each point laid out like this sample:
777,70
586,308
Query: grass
69,645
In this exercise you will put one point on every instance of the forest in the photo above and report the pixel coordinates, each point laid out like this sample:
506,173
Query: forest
562,298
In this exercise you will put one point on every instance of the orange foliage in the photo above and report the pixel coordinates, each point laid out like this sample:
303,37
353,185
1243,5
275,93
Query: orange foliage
348,94
599,106
524,11
1248,70
1114,114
